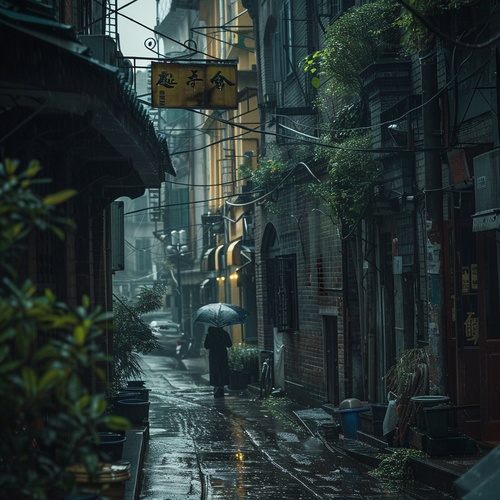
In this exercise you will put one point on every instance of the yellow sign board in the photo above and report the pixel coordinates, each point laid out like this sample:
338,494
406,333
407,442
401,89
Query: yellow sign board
194,84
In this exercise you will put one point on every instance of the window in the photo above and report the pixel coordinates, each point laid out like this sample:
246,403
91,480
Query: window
138,206
143,255
176,215
282,42
282,292
333,8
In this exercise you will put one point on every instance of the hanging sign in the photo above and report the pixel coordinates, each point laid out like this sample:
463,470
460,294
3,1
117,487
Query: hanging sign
194,84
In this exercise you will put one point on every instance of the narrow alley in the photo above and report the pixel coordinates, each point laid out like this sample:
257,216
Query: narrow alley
241,447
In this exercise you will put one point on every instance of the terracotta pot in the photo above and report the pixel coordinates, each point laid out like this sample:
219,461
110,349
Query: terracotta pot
109,484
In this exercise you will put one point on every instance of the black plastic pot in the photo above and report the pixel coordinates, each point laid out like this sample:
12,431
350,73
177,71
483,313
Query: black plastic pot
238,380
135,383
110,446
139,392
136,410
118,396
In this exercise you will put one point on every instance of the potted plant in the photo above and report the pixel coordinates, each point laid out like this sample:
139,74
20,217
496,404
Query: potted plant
243,365
133,336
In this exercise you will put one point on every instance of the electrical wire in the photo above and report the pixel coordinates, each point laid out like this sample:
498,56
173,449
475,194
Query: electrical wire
444,36
184,45
309,139
255,200
300,163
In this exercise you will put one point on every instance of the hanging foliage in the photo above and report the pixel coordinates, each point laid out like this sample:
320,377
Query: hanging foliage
415,35
352,172
357,39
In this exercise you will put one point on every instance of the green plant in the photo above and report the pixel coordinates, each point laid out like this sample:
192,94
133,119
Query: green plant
243,357
131,335
395,466
351,174
268,175
407,378
354,41
48,412
266,178
415,35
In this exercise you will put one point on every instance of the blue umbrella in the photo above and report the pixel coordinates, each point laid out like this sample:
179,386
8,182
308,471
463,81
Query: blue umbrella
220,314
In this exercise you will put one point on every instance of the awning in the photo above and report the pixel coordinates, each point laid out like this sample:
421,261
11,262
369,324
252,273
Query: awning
48,75
233,254
244,267
247,261
208,261
219,258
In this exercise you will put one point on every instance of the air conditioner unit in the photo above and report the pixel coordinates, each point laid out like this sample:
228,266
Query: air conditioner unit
487,181
487,191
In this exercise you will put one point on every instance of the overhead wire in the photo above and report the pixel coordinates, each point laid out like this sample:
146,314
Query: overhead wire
311,139
434,29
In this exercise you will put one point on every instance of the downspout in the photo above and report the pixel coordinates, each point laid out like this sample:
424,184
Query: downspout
347,386
434,222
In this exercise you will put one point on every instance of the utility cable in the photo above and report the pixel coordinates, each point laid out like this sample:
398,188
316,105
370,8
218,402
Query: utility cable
444,36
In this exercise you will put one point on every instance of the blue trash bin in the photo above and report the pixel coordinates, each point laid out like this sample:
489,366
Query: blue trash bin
350,422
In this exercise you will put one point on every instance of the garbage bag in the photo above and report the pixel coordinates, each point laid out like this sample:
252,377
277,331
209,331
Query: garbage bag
391,416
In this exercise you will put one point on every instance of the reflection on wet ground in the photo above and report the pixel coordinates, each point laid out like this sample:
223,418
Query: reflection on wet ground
236,448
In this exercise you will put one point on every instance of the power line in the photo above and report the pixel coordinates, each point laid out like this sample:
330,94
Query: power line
444,36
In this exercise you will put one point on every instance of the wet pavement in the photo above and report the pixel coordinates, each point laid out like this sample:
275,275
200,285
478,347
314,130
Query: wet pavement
240,447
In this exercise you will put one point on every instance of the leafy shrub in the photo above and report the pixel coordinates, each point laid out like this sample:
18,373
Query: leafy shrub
131,335
48,414
243,357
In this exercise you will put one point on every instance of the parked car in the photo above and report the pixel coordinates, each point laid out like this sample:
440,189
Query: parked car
167,332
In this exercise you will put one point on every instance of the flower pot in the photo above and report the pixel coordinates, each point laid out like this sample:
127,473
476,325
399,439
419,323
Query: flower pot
109,483
142,391
238,380
124,395
110,446
378,411
135,383
136,410
423,402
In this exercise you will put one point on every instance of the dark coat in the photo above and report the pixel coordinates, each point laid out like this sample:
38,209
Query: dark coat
217,341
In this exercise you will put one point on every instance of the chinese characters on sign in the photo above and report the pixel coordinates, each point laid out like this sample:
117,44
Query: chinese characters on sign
194,84
471,328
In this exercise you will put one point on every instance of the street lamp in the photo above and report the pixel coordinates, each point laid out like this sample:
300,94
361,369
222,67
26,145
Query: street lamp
178,248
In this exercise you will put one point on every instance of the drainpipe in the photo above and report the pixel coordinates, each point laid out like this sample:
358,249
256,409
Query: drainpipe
434,222
346,388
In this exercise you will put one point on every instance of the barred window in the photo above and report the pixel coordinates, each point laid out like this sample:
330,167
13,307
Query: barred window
282,292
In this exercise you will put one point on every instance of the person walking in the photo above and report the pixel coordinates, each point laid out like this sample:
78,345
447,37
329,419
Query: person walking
217,341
